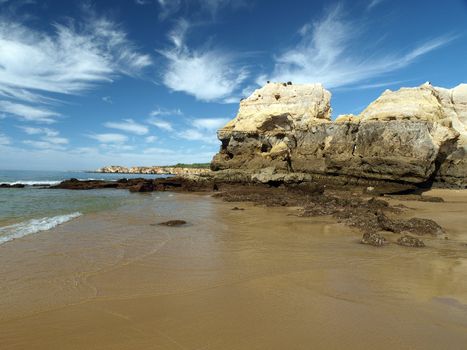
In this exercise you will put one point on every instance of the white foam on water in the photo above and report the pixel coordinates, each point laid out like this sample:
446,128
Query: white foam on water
9,233
31,183
47,182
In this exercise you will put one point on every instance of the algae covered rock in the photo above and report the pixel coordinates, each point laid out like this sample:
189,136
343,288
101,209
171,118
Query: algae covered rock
374,239
410,241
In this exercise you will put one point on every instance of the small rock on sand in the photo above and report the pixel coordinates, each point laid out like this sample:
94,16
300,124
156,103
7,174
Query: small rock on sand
237,208
173,223
374,239
410,241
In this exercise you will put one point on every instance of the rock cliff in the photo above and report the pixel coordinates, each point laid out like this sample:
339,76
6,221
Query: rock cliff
284,132
163,170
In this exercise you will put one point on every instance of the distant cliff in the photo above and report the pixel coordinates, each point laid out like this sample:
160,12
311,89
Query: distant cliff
167,170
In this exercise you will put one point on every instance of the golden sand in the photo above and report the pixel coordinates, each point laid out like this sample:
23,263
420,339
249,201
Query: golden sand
257,278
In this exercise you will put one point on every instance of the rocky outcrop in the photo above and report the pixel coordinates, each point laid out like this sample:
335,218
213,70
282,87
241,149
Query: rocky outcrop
162,170
284,133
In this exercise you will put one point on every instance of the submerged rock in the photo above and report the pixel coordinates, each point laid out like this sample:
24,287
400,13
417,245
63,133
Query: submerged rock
410,241
173,223
374,239
11,185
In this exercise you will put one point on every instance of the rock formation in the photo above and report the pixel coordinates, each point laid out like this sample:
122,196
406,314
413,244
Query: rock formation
163,170
284,132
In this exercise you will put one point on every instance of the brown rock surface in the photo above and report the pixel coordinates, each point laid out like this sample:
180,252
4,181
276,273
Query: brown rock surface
414,135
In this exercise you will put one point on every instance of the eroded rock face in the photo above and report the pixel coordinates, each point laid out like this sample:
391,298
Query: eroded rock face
414,135
282,106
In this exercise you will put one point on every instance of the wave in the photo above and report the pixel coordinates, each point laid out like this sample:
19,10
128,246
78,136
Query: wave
9,233
32,183
44,182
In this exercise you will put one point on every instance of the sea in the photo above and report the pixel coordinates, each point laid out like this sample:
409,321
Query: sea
32,209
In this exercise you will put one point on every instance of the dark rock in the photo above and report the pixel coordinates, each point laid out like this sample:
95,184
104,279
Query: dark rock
12,186
374,239
423,227
173,223
75,184
237,208
144,186
410,241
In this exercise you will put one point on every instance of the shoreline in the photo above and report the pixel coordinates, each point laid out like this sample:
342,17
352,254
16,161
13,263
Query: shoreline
232,278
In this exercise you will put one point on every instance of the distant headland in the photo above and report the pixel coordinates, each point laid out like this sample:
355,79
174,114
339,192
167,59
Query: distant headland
177,169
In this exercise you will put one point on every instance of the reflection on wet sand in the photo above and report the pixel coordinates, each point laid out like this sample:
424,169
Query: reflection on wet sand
251,279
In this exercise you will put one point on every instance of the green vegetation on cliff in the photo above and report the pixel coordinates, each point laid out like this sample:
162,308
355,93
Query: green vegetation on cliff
193,165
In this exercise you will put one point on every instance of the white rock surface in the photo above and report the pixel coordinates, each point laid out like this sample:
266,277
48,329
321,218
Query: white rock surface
282,106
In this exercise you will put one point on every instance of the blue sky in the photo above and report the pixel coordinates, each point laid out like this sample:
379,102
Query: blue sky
148,82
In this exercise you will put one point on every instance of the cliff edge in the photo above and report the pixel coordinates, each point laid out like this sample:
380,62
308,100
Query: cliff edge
284,132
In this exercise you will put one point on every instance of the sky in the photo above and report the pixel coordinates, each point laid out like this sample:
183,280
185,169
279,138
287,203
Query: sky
84,84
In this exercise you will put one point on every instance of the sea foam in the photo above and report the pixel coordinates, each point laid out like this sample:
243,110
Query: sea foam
9,233
31,183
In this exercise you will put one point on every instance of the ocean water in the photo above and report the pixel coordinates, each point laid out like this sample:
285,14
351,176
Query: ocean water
29,210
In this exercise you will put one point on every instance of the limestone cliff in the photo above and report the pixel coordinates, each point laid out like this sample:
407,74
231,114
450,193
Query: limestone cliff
163,170
284,131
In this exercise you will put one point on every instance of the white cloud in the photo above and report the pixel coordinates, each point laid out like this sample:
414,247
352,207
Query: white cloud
107,99
210,123
49,138
57,140
168,8
200,7
109,138
142,2
150,139
27,112
128,125
38,131
207,74
4,140
44,145
203,130
192,135
157,150
72,59
161,124
374,3
328,52
164,111
95,157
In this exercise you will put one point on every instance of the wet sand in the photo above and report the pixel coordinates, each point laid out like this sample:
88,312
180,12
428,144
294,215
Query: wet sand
258,278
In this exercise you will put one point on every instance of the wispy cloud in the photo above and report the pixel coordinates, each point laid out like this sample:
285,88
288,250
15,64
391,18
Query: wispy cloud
210,123
161,124
109,138
128,125
72,59
150,139
203,130
328,52
4,140
164,111
44,145
168,8
107,99
373,3
143,2
39,131
48,138
207,74
28,112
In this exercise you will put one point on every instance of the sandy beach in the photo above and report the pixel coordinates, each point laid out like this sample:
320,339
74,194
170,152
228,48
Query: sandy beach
259,278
